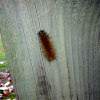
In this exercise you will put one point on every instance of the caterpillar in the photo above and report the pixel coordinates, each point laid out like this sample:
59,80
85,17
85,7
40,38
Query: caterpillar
46,45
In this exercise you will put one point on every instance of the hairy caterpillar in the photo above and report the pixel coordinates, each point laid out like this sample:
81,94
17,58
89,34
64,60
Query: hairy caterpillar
47,46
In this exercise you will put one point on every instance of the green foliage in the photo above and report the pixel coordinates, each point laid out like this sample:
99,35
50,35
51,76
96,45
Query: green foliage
2,56
5,64
10,96
1,45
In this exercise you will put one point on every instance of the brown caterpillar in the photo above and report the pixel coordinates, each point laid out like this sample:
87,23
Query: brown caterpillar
47,46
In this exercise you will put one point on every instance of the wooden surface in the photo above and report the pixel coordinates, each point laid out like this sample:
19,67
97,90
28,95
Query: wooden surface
74,28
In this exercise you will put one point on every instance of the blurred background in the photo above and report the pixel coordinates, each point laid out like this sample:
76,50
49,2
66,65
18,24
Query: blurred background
6,86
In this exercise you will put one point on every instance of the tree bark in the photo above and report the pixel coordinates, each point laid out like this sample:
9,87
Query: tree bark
74,29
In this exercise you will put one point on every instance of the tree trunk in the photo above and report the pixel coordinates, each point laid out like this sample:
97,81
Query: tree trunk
74,29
